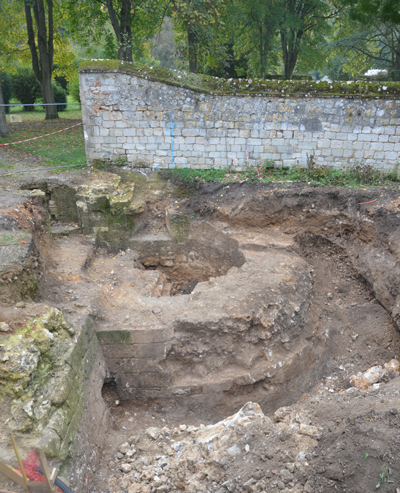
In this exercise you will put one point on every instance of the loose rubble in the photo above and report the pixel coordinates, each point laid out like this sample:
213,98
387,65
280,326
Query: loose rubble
231,455
376,375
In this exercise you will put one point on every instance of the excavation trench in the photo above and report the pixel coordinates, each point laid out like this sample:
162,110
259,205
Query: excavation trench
202,305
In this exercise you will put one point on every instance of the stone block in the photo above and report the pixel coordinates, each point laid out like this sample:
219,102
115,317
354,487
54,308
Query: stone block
388,147
177,225
390,130
392,156
357,145
336,144
190,132
368,137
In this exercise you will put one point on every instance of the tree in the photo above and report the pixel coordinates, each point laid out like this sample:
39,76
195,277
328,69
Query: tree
198,21
133,24
11,45
41,47
122,24
370,34
365,10
298,20
3,119
254,28
164,46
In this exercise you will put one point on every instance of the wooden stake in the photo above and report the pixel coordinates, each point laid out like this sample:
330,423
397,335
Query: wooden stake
54,473
46,472
21,465
13,475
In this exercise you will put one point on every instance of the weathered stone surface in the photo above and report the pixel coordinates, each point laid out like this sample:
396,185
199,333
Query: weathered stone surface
375,375
392,365
22,352
44,371
125,467
124,448
18,278
4,327
177,226
153,433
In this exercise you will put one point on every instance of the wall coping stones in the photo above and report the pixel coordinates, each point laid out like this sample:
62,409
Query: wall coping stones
247,87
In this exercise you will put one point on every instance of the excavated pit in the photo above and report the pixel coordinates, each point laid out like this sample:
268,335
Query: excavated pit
201,305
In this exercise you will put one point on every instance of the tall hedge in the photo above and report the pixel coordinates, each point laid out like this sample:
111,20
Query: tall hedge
26,88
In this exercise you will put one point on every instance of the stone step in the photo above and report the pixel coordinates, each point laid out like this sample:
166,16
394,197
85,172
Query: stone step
59,230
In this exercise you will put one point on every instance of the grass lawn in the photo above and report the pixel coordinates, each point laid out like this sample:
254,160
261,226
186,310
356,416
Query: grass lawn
358,175
60,149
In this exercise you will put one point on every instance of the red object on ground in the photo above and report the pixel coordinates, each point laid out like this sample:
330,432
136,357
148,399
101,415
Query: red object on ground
370,202
31,466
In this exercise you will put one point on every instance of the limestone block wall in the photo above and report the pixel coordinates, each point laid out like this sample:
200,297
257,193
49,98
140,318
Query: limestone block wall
127,117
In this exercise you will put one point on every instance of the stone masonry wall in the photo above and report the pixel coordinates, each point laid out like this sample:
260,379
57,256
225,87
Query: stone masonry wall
128,118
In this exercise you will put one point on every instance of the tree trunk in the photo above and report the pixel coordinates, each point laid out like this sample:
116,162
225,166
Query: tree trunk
126,34
396,73
261,55
192,51
42,64
122,29
290,51
266,42
3,119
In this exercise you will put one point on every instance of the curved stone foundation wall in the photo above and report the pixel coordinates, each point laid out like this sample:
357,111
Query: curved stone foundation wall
127,118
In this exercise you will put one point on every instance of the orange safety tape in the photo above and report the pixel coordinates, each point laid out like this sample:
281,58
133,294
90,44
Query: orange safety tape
41,136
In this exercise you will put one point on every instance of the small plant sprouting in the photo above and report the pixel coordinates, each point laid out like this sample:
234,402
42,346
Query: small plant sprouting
384,476
366,455
121,161
311,160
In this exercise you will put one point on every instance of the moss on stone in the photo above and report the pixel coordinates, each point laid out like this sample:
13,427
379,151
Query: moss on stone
43,374
245,87
115,336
